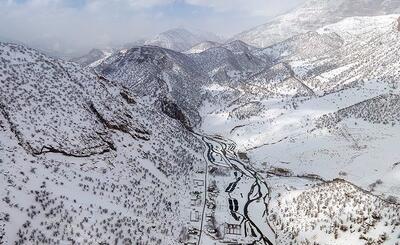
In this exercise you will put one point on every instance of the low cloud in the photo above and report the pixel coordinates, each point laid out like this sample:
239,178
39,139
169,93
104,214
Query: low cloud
74,26
265,8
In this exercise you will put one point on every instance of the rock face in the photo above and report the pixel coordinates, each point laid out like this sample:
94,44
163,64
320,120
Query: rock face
173,111
314,14
40,112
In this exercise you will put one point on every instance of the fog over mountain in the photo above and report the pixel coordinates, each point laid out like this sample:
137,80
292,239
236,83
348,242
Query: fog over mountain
72,27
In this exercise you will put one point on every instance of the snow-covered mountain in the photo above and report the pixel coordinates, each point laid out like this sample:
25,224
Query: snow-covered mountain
177,39
94,57
314,14
180,39
165,77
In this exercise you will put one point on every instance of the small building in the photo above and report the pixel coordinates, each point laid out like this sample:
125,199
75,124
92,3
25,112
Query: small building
195,200
194,216
233,229
198,183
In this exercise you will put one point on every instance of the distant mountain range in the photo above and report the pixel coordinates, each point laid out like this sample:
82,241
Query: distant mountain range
309,16
181,39
178,39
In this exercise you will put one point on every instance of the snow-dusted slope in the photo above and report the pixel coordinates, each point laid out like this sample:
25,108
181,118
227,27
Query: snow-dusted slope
312,15
68,111
230,61
201,47
333,213
84,160
161,75
180,39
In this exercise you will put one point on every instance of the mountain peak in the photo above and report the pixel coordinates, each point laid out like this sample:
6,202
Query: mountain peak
181,39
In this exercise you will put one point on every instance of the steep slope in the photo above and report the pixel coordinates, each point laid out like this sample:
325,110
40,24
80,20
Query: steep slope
168,78
85,161
312,15
375,56
230,61
31,106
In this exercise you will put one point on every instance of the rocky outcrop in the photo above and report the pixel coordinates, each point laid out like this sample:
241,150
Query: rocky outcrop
172,110
63,108
136,133
398,24
128,98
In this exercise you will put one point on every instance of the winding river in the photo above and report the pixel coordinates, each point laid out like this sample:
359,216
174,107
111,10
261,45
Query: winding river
249,210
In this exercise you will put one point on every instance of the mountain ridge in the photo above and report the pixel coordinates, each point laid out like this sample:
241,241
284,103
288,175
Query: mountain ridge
312,15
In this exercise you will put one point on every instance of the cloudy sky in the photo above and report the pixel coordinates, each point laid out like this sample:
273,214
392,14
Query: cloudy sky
78,25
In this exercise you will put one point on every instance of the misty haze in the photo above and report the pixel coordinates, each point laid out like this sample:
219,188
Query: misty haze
200,122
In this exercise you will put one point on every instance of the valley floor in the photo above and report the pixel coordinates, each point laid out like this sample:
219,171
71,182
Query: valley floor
326,185
242,205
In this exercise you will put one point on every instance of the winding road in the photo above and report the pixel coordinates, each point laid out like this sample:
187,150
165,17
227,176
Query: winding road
222,153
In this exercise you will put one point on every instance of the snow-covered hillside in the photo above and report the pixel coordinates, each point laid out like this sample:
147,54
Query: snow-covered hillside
177,39
229,61
84,160
314,14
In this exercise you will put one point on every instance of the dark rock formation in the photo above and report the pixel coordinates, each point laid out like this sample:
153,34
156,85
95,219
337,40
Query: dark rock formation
398,24
172,110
